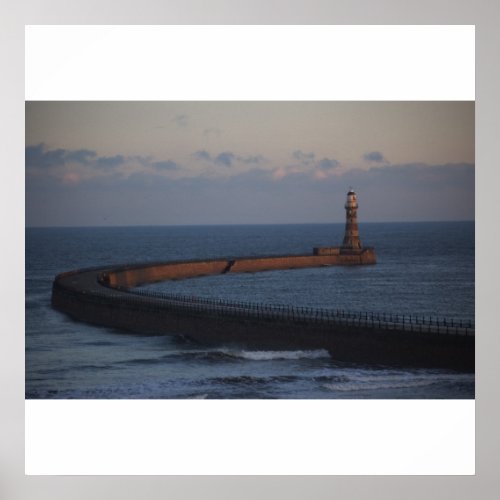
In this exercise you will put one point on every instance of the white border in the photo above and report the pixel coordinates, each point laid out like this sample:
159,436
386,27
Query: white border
254,62
250,62
250,437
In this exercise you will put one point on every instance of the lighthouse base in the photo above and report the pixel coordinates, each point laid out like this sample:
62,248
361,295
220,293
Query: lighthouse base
348,256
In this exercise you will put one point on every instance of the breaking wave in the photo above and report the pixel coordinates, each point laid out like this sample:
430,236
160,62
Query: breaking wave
274,355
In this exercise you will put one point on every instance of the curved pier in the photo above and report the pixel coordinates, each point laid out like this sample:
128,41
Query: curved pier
105,296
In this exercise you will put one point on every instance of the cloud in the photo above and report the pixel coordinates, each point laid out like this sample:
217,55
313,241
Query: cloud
202,155
81,165
306,158
39,156
226,158
71,178
439,191
309,160
282,172
180,120
165,165
83,156
327,164
406,192
374,156
110,161
324,168
309,165
251,159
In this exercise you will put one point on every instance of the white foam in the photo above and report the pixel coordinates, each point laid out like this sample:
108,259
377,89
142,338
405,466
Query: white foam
199,396
399,381
272,355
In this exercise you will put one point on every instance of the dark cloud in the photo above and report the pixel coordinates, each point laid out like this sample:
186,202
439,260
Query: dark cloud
327,164
303,157
161,165
83,156
39,156
226,158
375,156
202,155
251,159
407,192
309,160
110,161
32,155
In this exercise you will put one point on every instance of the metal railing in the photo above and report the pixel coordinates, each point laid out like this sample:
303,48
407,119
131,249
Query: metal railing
158,301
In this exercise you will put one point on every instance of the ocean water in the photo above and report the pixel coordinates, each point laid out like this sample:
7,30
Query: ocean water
423,268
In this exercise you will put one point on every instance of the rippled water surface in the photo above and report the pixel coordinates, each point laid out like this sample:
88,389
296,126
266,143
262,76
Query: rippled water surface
423,268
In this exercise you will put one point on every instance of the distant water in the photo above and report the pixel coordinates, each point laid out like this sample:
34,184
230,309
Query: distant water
423,268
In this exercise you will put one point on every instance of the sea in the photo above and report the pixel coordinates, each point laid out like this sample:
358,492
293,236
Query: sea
423,268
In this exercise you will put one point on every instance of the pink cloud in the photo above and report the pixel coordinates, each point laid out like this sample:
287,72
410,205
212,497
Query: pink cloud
71,178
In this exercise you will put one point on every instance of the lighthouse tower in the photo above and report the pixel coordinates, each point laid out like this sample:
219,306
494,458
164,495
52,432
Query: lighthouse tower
350,252
351,236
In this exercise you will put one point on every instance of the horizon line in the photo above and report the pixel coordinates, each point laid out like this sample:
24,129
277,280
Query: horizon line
89,226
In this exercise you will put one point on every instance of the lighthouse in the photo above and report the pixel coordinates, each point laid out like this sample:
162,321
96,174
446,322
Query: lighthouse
351,235
351,252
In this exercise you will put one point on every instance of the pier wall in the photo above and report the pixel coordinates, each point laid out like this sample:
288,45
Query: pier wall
350,342
252,265
130,276
100,296
135,276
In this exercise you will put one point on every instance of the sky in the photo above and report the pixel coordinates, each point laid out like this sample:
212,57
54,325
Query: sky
175,163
